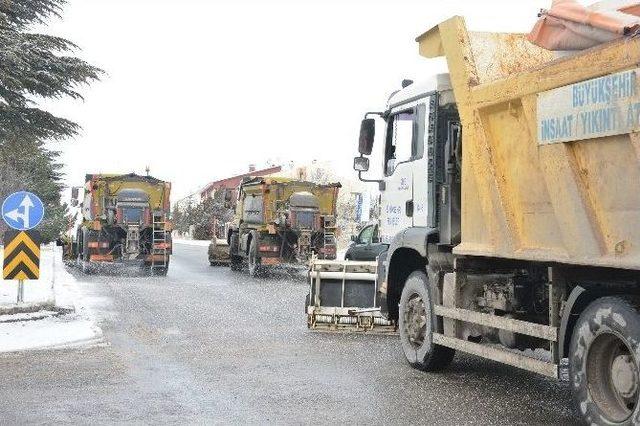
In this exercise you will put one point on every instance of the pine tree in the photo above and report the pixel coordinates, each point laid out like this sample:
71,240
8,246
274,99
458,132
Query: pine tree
28,165
36,66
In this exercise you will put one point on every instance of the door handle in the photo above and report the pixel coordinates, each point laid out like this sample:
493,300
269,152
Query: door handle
409,208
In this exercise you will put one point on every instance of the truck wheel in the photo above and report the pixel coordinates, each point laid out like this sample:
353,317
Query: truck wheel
87,267
235,261
255,269
162,271
416,325
604,362
85,244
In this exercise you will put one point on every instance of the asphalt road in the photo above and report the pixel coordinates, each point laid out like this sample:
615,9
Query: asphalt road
208,345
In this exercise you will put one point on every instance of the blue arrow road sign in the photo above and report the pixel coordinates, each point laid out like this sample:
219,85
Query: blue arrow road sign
22,210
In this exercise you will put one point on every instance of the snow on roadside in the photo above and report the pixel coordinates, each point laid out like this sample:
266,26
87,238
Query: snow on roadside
77,327
54,332
36,292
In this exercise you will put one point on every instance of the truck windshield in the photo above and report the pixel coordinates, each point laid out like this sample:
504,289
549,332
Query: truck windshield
131,215
305,219
401,139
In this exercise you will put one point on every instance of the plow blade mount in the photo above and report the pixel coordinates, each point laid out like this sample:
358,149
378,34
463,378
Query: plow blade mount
342,297
219,252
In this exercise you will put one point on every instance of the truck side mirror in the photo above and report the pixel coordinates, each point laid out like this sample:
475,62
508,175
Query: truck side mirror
367,135
361,164
74,193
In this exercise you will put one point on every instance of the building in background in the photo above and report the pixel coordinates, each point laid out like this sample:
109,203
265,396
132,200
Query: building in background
230,184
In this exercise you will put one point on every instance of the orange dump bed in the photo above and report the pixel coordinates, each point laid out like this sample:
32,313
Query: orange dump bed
551,147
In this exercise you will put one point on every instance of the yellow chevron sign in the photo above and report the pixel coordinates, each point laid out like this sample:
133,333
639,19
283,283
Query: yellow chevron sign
21,255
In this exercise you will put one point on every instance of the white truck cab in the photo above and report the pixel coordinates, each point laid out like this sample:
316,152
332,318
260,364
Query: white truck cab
416,118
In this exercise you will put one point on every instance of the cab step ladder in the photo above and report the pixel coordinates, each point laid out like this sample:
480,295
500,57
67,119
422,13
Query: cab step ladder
159,243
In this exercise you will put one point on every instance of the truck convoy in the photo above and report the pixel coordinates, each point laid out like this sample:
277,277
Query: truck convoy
281,221
124,219
509,199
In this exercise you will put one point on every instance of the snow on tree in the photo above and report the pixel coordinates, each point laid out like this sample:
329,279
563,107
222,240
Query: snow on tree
205,219
27,165
34,67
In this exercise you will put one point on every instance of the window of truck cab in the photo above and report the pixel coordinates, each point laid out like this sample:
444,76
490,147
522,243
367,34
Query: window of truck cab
403,138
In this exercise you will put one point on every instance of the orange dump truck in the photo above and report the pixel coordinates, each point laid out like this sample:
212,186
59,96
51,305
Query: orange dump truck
511,205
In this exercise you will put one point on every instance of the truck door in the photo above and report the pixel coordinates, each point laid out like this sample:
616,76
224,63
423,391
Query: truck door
424,179
403,156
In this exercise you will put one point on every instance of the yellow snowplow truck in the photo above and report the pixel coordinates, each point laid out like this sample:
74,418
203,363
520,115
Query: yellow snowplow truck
124,221
510,202
281,221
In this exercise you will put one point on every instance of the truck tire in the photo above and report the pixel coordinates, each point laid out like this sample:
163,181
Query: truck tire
83,251
211,250
603,362
85,265
416,325
235,261
77,254
157,271
256,270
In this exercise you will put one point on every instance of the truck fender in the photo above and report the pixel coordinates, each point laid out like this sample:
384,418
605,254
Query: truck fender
246,241
407,253
576,302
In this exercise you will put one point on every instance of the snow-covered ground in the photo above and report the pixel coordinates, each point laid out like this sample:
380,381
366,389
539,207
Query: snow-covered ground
38,292
62,320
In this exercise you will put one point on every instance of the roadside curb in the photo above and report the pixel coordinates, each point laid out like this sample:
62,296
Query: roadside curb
48,312
30,308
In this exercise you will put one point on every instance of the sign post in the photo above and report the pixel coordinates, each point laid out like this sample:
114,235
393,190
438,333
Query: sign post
22,211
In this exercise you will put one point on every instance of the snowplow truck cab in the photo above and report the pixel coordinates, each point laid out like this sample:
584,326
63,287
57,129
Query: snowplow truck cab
125,221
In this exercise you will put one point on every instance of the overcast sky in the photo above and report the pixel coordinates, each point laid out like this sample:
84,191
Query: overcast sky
198,90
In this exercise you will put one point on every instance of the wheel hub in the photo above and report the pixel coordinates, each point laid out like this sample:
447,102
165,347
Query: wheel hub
624,376
416,320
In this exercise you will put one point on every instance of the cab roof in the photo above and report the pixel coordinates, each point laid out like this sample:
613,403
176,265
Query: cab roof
419,89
